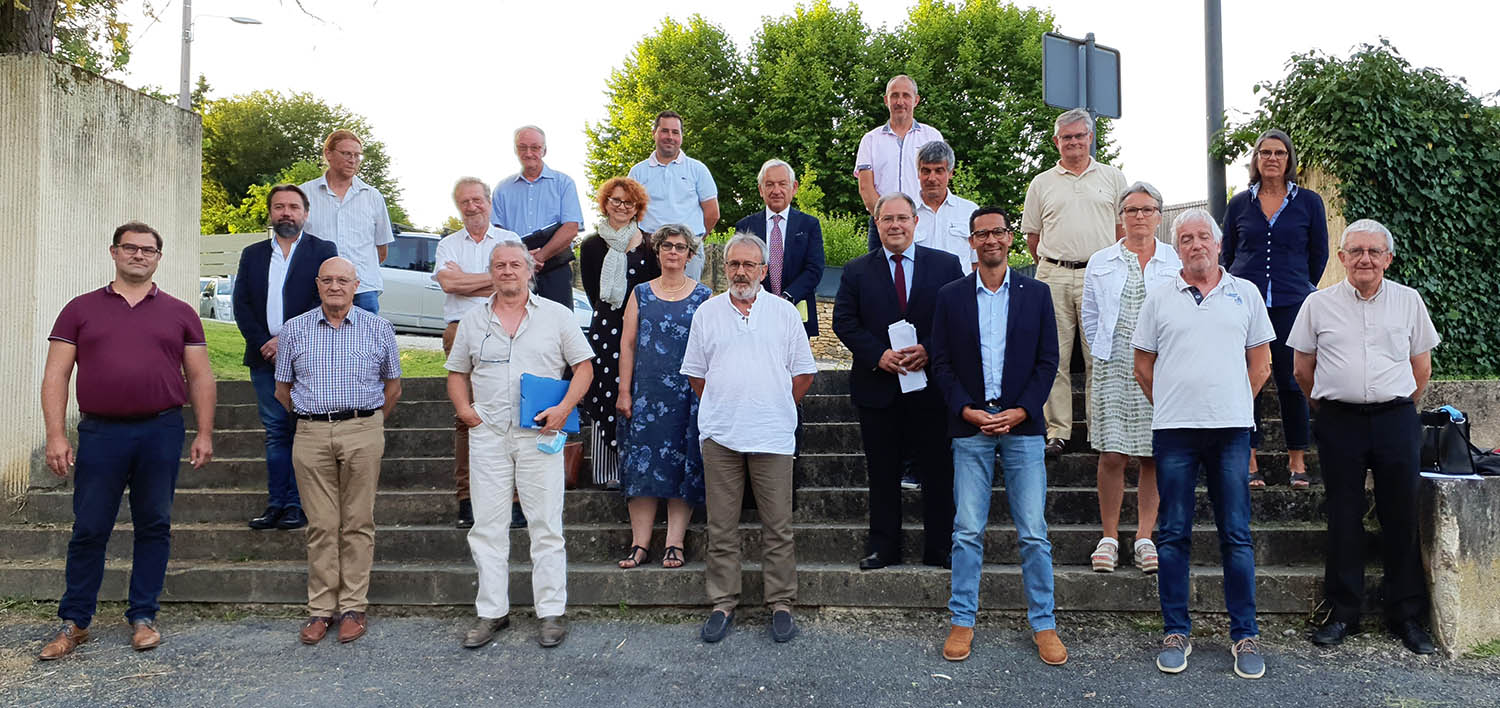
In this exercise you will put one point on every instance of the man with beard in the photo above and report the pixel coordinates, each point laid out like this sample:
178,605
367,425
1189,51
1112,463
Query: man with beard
749,361
517,332
682,190
276,281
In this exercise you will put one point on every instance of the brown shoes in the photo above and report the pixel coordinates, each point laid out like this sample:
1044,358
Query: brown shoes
1050,648
957,646
145,637
66,641
315,629
351,627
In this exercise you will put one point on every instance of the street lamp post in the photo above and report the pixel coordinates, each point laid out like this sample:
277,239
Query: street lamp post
184,95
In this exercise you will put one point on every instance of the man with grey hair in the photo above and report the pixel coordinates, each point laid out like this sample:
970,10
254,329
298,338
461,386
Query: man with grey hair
537,198
1363,354
942,216
887,157
748,353
1202,352
1069,215
793,238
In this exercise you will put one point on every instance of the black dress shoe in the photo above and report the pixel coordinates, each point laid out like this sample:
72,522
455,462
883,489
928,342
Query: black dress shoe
517,517
1333,632
943,562
292,518
465,514
267,520
875,561
1055,447
1413,636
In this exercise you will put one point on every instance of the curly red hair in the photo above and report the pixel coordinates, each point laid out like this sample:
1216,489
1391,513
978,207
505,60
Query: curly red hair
634,192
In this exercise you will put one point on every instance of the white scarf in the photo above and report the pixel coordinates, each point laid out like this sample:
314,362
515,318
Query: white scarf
612,283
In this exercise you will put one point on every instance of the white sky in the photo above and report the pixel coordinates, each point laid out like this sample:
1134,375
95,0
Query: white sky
444,82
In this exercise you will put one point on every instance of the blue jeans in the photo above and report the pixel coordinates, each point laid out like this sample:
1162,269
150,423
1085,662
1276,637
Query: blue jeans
1026,486
281,482
368,301
112,455
1224,455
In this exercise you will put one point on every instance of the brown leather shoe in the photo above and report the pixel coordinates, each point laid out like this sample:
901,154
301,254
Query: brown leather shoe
145,637
351,627
1050,647
66,641
315,629
957,646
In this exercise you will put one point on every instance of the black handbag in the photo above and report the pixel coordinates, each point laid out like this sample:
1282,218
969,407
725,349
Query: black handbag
1445,442
541,237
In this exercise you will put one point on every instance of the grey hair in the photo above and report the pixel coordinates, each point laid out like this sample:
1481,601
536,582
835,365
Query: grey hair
1196,214
514,136
899,77
888,196
525,252
1368,226
1290,175
746,237
935,152
468,180
1140,188
1077,115
768,164
667,231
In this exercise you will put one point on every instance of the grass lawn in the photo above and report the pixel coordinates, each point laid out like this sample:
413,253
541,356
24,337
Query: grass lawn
226,351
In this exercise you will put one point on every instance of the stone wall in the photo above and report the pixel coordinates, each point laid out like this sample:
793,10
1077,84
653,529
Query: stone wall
1460,521
79,155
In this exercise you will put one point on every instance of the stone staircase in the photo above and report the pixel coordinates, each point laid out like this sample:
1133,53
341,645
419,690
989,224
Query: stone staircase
421,559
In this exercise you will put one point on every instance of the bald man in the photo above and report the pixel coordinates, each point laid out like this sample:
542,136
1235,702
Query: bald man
338,370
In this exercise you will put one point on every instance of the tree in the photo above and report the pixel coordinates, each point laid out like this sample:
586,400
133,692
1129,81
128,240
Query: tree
252,213
87,33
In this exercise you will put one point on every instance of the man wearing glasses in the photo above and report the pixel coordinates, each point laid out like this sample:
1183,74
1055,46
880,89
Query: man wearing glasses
1363,355
140,355
348,211
535,198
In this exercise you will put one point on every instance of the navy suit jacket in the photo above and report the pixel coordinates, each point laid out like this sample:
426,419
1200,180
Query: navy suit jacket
1030,352
801,258
866,306
298,294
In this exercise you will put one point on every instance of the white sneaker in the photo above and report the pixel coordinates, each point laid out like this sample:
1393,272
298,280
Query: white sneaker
1106,555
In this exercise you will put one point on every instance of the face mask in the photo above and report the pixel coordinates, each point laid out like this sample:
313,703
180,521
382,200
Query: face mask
551,443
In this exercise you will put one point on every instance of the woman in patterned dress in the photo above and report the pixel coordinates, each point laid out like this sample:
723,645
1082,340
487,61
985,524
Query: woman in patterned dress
659,455
1114,286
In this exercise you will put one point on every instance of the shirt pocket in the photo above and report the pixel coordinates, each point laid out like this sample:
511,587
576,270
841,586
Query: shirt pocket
1397,340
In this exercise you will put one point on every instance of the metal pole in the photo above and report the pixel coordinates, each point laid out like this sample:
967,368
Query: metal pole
1088,92
1213,55
184,97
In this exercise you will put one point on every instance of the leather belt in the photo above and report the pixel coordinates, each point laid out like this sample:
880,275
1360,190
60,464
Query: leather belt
337,415
1366,408
1074,265
994,403
130,418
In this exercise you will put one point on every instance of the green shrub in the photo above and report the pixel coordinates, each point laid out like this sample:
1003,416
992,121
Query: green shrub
845,237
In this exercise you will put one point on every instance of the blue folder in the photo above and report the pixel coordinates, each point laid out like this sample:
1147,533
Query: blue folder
538,393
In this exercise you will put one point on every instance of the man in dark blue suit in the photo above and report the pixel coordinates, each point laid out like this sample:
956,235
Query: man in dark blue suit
899,281
795,240
994,356
276,282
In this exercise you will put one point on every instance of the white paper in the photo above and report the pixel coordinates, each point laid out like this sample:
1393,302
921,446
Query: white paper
903,334
1440,475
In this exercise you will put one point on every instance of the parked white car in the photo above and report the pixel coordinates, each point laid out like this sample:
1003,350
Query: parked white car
216,298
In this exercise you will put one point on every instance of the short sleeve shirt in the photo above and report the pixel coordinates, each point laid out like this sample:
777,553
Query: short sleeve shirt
356,224
337,369
129,358
524,206
1364,347
677,190
1201,378
892,159
947,229
472,257
1074,215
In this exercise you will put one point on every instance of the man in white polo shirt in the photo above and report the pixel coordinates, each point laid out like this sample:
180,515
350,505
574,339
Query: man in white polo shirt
886,160
1201,354
348,211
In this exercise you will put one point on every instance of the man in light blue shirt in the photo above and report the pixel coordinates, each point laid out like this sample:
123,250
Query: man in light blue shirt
681,189
536,198
346,210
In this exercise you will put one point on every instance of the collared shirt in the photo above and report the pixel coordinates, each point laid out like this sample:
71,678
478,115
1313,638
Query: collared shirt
908,265
337,369
947,229
129,358
356,224
1201,378
1104,283
471,257
547,343
677,190
1285,255
1364,347
892,159
276,281
747,365
1074,215
994,315
526,206
785,214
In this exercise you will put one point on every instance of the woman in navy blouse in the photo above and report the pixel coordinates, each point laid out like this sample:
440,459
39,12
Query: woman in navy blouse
1276,236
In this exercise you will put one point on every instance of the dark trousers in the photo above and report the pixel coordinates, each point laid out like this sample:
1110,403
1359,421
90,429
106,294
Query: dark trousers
281,482
557,285
874,235
1288,393
111,456
1387,442
911,428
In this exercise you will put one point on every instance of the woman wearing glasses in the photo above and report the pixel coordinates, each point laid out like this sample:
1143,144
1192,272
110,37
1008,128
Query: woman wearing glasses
1276,236
659,454
611,263
1114,286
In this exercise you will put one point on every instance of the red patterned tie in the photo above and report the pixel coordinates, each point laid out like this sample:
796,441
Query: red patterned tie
776,249
900,278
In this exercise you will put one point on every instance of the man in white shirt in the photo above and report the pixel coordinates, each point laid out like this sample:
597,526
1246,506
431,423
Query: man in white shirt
682,190
461,269
749,361
352,214
942,216
886,160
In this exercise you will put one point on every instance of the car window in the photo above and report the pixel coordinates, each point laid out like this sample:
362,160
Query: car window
411,253
225,287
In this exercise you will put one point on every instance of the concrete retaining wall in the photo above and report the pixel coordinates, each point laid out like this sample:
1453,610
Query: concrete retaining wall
1461,549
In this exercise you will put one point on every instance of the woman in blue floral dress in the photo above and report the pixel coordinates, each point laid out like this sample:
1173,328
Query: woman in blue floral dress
658,437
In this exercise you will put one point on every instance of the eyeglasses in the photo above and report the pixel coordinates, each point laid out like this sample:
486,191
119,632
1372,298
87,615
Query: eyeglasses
673,246
1358,253
131,249
1272,154
1070,137
896,219
1139,211
990,234
619,202
743,265
496,353
351,156
328,280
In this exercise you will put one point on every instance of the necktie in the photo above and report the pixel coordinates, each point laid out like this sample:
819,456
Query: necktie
774,276
900,278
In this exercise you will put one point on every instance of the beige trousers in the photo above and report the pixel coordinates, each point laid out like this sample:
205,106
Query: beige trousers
724,474
338,467
1066,285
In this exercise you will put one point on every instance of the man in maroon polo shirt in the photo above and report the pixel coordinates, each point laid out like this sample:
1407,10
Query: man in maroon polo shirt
140,355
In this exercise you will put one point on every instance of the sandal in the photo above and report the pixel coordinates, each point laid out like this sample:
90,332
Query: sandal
1145,556
632,561
672,558
1300,480
1106,554
1257,480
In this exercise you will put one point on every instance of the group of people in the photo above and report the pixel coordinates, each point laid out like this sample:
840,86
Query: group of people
957,360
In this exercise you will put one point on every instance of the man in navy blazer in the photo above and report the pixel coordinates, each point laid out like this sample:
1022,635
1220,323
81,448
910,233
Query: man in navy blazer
795,274
898,281
994,356
276,282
